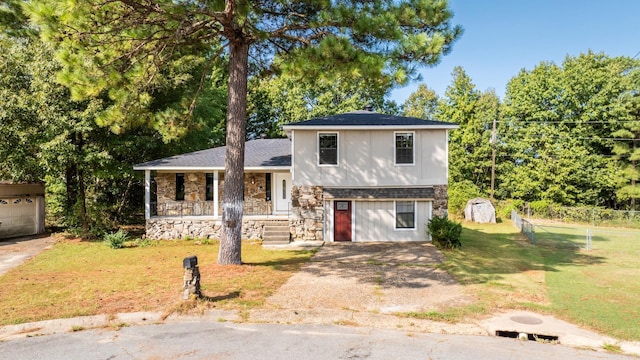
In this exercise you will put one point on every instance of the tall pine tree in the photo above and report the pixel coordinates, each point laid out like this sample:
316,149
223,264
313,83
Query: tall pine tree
131,48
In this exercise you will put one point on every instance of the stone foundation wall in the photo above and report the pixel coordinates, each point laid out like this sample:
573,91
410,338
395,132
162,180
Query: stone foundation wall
170,229
441,200
307,213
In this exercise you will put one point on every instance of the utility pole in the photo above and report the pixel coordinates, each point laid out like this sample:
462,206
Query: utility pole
493,156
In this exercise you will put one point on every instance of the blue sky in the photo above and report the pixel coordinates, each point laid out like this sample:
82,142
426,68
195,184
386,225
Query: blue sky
501,37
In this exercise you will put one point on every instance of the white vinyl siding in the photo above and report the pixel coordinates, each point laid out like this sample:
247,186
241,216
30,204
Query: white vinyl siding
375,221
366,158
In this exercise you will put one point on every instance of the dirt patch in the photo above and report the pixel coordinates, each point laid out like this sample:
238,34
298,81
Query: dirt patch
378,277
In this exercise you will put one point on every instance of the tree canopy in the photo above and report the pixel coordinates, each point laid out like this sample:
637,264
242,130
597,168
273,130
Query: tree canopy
560,123
566,134
134,50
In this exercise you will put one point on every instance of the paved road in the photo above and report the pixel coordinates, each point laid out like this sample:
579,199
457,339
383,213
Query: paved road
217,340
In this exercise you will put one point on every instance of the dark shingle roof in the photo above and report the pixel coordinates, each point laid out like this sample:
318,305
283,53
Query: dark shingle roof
379,193
257,153
369,118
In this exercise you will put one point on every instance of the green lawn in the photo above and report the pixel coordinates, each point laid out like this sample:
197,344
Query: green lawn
85,278
597,289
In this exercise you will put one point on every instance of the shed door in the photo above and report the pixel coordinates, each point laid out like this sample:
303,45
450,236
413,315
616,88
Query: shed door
342,221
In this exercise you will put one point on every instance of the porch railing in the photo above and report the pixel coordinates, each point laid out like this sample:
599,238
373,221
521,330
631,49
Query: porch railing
204,208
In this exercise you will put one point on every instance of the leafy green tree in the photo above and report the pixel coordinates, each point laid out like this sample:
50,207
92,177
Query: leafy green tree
558,125
470,145
423,103
627,149
13,21
280,100
49,137
133,49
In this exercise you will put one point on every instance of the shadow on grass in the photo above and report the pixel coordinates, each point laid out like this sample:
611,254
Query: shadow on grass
293,258
231,295
487,256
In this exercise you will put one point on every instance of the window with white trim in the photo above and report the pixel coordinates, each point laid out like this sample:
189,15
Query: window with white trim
405,214
327,148
404,149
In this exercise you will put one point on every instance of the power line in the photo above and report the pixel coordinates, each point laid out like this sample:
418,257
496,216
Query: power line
564,121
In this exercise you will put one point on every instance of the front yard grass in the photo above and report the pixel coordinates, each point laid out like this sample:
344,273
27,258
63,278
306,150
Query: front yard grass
77,278
597,289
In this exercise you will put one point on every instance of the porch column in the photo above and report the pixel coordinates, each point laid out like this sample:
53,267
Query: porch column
215,193
147,194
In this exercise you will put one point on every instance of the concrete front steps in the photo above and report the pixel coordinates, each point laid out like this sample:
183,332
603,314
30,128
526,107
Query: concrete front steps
276,233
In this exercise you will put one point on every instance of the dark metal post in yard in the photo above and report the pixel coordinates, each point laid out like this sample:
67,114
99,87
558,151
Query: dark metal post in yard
191,278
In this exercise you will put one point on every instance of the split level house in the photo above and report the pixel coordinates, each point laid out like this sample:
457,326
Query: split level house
360,176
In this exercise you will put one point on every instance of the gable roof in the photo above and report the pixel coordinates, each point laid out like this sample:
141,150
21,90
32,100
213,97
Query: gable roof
368,119
258,154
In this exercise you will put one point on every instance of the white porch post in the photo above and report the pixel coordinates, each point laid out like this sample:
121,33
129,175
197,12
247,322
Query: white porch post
215,193
147,194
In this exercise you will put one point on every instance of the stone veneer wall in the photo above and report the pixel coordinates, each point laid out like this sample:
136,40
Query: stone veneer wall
441,200
307,213
180,228
255,202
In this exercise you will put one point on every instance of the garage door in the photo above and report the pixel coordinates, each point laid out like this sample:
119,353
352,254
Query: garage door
19,216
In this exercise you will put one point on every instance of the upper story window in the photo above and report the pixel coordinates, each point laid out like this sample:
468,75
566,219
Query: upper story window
209,187
179,186
327,148
404,148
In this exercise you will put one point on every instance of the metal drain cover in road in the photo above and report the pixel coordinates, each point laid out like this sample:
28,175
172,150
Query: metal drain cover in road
528,320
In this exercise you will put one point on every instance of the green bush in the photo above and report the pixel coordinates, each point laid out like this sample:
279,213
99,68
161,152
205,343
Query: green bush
504,208
117,239
445,233
541,208
459,193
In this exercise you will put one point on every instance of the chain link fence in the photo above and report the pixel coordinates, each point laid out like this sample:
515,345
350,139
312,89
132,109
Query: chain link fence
525,227
586,215
562,235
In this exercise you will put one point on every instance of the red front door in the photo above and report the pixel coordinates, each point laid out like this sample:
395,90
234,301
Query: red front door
342,221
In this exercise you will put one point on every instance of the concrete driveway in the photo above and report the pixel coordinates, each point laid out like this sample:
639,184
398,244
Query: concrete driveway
378,277
16,251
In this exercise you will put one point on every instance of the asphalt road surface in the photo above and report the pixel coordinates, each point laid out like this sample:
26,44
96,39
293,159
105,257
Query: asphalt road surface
223,340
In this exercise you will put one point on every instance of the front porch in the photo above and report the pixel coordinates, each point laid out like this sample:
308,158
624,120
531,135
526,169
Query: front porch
189,205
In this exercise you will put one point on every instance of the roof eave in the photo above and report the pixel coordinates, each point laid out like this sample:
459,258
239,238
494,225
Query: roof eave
198,168
288,128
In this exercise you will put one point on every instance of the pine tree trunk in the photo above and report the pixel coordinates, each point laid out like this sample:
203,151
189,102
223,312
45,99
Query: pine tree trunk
82,191
232,203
